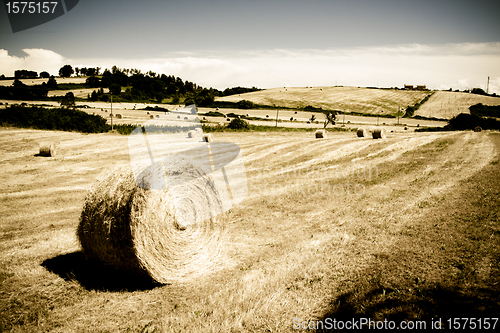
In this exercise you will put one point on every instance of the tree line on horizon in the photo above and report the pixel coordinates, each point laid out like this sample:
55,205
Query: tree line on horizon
138,86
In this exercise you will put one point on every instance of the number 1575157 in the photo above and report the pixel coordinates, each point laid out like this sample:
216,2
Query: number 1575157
31,7
472,323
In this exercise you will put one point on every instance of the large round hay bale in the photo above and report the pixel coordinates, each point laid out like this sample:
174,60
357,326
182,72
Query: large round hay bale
166,233
207,137
47,149
379,133
118,116
477,129
362,132
320,134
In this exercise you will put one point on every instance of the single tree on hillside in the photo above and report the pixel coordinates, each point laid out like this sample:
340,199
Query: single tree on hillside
115,89
68,100
66,71
44,75
52,83
330,118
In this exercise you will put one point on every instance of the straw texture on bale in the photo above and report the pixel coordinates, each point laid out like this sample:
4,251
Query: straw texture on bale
379,133
320,134
478,129
157,232
47,149
362,132
207,138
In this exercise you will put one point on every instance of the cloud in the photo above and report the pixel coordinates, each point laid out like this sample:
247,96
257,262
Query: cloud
457,66
38,60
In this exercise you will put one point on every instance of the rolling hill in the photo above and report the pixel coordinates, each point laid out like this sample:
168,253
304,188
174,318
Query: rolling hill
349,99
448,104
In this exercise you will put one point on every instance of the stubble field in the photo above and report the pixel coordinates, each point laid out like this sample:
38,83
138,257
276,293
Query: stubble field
447,104
347,99
405,228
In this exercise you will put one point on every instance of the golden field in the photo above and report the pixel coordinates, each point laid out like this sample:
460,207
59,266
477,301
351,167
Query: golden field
405,228
347,99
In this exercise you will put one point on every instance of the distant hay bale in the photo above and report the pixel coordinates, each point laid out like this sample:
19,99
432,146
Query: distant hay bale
151,117
406,128
168,234
320,134
478,129
379,133
207,138
362,132
118,116
204,118
191,134
248,115
228,119
147,112
47,149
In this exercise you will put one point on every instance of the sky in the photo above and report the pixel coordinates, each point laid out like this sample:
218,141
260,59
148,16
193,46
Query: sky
224,43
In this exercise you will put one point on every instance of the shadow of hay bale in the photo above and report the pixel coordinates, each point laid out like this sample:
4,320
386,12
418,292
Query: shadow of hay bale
95,276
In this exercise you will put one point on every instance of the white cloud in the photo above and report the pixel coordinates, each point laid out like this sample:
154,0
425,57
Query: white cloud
456,66
38,60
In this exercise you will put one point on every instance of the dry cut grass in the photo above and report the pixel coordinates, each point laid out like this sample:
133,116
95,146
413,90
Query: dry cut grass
448,104
349,99
343,227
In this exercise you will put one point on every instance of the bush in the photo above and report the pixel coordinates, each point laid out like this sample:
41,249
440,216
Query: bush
478,91
93,82
24,93
312,108
235,115
53,119
468,121
485,110
244,104
238,124
214,114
